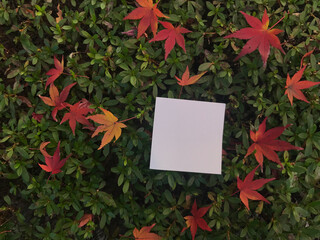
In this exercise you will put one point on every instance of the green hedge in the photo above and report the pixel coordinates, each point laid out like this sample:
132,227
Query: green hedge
124,75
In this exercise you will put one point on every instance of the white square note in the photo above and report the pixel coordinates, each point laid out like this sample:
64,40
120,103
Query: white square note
187,136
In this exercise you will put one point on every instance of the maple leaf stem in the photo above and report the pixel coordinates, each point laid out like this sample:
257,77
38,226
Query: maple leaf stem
48,178
235,193
180,92
127,119
278,21
75,75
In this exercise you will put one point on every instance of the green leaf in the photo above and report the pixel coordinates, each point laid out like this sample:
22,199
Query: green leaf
13,73
125,187
7,199
147,73
103,220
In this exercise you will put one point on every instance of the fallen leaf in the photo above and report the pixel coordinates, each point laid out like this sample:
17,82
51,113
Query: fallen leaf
148,13
54,73
187,80
224,153
196,220
54,164
37,117
294,85
59,13
265,143
77,113
172,35
85,219
304,56
56,100
144,234
248,186
130,32
260,37
25,100
110,125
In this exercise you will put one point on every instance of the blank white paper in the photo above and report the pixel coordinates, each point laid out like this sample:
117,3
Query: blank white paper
187,136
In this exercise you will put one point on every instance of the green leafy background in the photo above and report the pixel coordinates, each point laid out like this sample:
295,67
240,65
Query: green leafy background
125,75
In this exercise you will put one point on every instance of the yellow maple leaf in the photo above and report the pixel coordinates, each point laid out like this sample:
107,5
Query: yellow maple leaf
110,125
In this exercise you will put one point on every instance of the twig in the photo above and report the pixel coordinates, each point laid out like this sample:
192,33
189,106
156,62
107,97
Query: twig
127,119
180,92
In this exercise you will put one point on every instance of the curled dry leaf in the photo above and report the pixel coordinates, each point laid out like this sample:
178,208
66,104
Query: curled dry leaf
59,13
304,56
25,100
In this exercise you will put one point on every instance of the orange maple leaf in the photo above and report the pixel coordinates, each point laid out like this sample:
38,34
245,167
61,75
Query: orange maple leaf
196,220
110,125
187,80
148,13
172,35
56,100
248,186
265,143
85,219
259,37
144,234
54,73
294,85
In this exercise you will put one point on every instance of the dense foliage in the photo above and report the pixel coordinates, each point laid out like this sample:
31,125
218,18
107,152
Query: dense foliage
111,192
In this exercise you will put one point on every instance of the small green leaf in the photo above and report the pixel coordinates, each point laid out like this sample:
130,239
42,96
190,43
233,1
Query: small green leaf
125,187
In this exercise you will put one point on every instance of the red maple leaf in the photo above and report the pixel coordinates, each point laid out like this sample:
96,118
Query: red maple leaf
265,143
54,73
148,13
187,80
247,188
196,220
57,100
172,35
77,113
260,37
294,85
54,164
144,234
